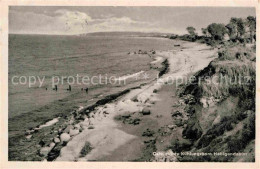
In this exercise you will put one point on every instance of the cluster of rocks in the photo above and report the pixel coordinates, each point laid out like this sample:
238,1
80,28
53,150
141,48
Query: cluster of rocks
50,149
63,136
128,119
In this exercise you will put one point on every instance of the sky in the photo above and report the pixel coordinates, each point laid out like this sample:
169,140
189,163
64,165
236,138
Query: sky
77,20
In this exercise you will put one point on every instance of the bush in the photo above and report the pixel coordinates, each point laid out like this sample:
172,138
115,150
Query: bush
180,145
193,130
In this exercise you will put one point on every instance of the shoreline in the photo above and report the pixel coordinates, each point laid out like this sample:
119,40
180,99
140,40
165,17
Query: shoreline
107,100
31,135
139,96
106,128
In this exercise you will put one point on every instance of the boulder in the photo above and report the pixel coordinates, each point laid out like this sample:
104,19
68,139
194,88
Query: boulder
45,151
52,145
64,137
56,140
68,128
74,132
28,137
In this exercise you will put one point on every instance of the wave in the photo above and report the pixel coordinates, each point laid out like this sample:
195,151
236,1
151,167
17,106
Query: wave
125,77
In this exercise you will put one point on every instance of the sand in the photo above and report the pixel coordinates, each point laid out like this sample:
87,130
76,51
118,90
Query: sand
106,136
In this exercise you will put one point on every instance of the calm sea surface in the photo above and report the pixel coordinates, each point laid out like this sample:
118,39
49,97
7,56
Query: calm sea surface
44,56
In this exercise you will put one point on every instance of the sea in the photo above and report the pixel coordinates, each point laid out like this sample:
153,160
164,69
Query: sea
50,58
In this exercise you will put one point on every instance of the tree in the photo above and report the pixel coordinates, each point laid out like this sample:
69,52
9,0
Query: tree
191,30
239,26
231,30
251,22
204,31
217,31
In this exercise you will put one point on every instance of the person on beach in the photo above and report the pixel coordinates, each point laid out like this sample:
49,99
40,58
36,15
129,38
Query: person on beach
69,89
55,88
86,90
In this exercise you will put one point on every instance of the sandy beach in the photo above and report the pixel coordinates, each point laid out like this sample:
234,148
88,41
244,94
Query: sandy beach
107,135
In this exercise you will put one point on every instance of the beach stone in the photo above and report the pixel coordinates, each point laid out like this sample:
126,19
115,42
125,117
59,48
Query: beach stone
74,132
68,128
45,151
28,137
56,140
52,145
77,126
64,137
146,111
60,131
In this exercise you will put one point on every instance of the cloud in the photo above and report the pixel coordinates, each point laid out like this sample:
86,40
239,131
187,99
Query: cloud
116,24
69,22
63,22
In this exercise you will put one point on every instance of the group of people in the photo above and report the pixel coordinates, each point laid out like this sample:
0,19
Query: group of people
68,89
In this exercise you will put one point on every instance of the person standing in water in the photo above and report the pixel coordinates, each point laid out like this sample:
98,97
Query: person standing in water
69,89
55,88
